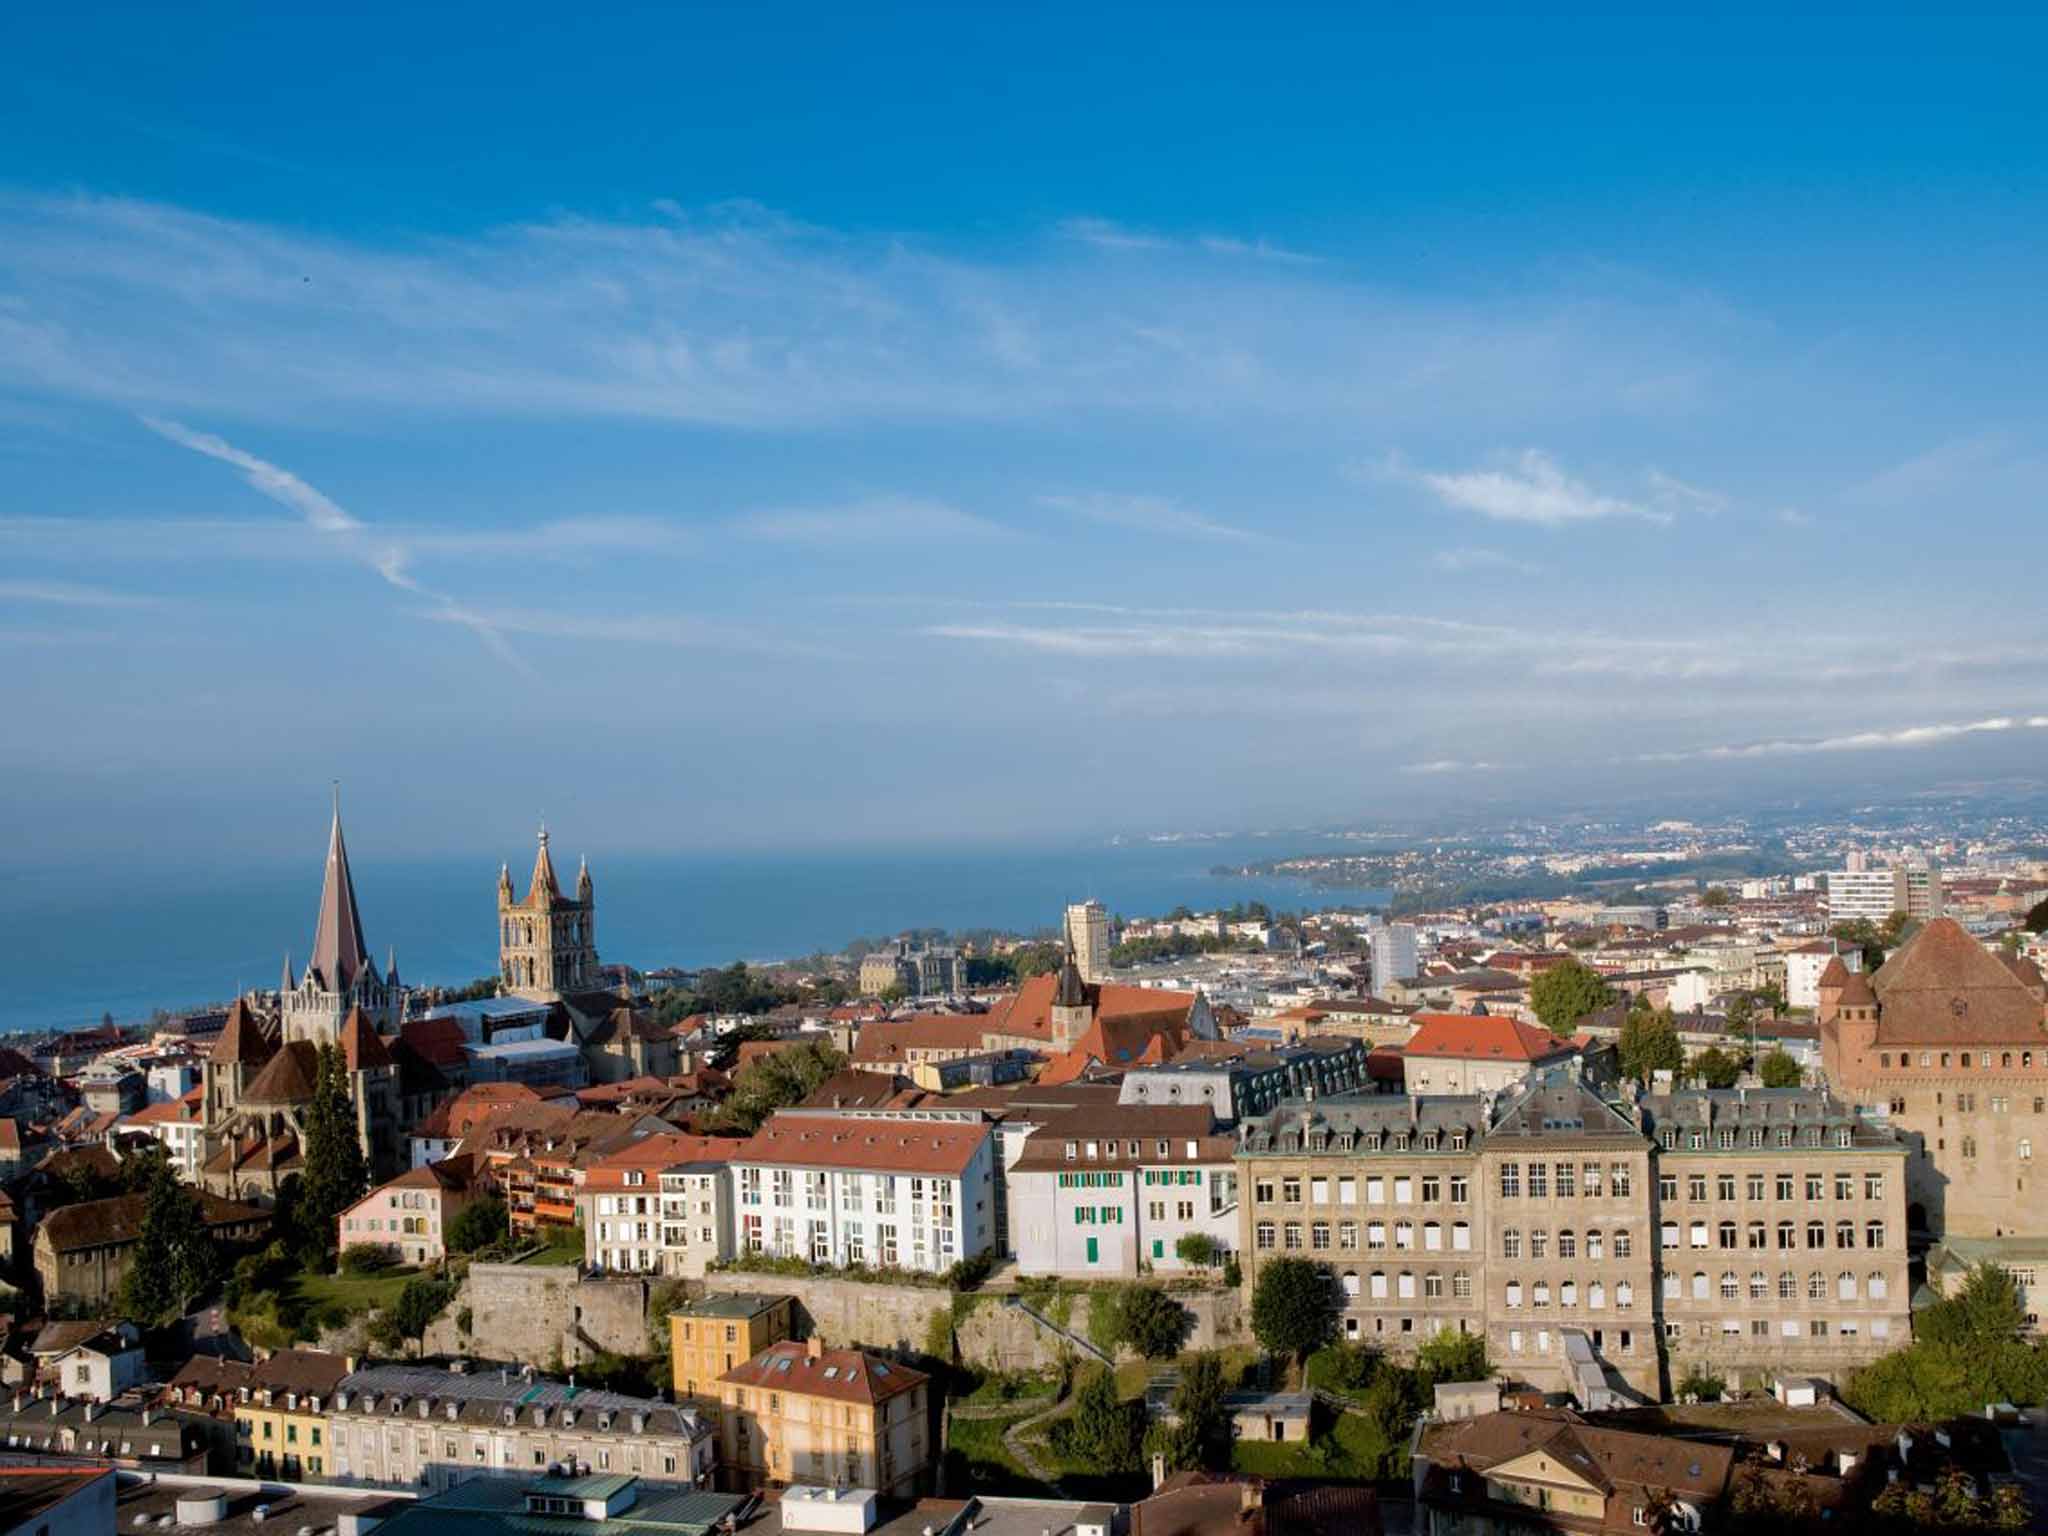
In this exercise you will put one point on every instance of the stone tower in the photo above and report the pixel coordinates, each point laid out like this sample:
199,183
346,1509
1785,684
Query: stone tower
341,976
1088,938
547,943
1072,1012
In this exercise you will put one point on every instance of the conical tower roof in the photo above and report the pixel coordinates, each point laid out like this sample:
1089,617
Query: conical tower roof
1073,991
544,887
243,1039
339,953
361,1046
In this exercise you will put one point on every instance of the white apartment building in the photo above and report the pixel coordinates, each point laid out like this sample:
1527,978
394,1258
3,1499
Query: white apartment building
1804,965
1114,1195
1395,955
662,1206
1874,894
1923,891
842,1190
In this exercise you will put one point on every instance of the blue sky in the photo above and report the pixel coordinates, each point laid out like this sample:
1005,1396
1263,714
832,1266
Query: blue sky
761,425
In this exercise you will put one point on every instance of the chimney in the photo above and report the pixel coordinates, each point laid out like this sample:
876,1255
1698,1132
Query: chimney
814,1347
1158,1470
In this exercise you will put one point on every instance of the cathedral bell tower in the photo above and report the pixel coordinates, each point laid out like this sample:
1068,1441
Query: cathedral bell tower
547,943
1072,1012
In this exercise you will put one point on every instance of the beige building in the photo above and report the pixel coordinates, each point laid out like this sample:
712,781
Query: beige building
1458,1053
1382,1191
1781,1221
547,942
712,1334
801,1413
1565,1180
1087,927
82,1252
410,1216
1946,1040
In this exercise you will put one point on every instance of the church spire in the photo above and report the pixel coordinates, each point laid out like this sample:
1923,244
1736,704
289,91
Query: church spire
1073,991
287,984
339,954
583,881
544,884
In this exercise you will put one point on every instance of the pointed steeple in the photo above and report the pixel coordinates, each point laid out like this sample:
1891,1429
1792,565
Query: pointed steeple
583,887
287,984
544,887
391,966
339,954
1073,991
505,884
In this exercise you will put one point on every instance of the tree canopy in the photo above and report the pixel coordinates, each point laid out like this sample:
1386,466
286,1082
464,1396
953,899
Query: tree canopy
1967,1351
407,1319
1453,1356
781,1078
478,1225
337,1175
175,1260
1565,993
1198,1434
1778,1070
1291,1308
2037,917
1649,1043
1715,1068
1150,1321
1103,1432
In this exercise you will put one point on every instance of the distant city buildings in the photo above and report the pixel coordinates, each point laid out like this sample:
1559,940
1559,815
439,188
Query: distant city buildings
916,970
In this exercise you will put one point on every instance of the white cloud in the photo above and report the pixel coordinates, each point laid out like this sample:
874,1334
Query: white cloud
880,519
68,594
350,536
1535,491
1443,765
1151,514
1468,559
1111,236
1858,741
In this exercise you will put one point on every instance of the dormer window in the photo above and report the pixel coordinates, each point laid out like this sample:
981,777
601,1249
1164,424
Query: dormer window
1073,1149
1669,1139
1845,1137
1162,1148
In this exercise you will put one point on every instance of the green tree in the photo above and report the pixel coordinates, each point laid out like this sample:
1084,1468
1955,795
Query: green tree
1741,1009
1150,1321
1198,1432
1967,1351
1103,1433
175,1260
1291,1308
1778,1069
1649,1043
1701,1383
1198,1249
2037,917
784,1077
1715,1068
1772,996
1715,896
478,1225
1896,929
1565,993
407,1319
1029,960
1861,932
337,1175
1453,1356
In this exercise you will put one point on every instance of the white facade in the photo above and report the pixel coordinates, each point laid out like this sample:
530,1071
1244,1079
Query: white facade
1873,894
1803,968
1394,955
677,1222
1113,1221
1088,933
925,1221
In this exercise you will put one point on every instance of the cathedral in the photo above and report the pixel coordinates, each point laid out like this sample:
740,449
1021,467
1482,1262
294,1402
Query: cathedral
259,1078
547,943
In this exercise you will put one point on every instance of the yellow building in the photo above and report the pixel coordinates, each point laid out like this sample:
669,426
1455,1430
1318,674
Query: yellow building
279,1407
714,1333
801,1413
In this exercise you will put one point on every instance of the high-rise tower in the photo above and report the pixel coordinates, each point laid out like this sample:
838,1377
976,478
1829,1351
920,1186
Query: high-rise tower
1088,938
547,943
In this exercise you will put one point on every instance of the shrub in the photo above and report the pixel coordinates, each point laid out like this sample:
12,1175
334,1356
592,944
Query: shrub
1700,1382
368,1258
1198,1249
481,1224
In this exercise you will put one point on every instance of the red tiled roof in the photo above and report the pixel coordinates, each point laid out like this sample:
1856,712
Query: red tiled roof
889,1146
1475,1037
1028,1013
440,1041
653,1153
176,1111
843,1375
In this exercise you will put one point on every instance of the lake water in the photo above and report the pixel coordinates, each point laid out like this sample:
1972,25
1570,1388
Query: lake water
77,942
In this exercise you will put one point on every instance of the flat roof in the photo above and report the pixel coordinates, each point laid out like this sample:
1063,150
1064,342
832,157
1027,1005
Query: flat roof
488,1008
525,1048
138,1499
729,1304
498,1504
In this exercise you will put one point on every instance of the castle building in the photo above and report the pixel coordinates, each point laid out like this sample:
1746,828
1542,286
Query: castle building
547,943
1947,1042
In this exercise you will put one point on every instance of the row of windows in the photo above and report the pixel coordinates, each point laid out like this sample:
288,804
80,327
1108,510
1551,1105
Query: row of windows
1726,1139
1539,1294
1724,1235
1345,1233
1288,1191
1380,1286
1567,1179
1567,1243
1788,1327
1876,1287
1782,1186
1928,1058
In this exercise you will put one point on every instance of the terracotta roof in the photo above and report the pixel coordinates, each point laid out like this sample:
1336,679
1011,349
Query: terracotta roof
1854,992
178,1111
1201,1504
361,1046
1609,1459
1028,1012
1474,1037
1833,974
459,1172
843,1375
290,1077
1941,986
242,1039
456,1116
891,1041
888,1146
651,1154
440,1041
94,1223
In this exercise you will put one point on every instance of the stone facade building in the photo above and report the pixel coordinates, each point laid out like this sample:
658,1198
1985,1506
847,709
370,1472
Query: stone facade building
82,1252
1781,1233
547,942
801,1413
1947,1041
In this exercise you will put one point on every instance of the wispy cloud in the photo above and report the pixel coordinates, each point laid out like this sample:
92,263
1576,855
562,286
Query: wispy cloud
68,594
1110,236
877,520
1150,514
1857,741
1468,559
1534,490
350,536
1444,765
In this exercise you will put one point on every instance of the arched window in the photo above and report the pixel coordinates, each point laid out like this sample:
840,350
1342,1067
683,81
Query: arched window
1596,1296
1845,1234
1731,1288
1699,1285
1788,1286
1816,1286
1350,1282
1379,1285
1816,1234
1845,1286
1726,1234
1759,1285
1876,1287
1567,1244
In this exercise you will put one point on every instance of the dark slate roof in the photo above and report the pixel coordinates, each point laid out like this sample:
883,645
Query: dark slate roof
1568,1112
243,1040
1349,1124
339,954
289,1078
